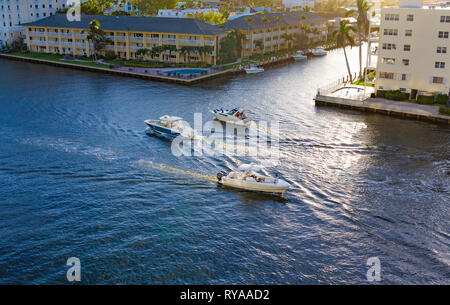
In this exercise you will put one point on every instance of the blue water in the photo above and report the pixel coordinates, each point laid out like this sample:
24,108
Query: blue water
79,177
186,71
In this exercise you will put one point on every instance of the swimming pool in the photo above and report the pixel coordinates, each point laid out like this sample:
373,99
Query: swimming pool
186,71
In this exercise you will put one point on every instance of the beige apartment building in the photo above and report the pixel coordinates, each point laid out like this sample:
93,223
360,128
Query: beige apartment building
14,13
414,49
273,29
126,35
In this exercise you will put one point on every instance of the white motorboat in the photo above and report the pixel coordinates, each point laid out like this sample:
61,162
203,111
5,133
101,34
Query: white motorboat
319,52
170,125
254,69
248,177
235,116
299,56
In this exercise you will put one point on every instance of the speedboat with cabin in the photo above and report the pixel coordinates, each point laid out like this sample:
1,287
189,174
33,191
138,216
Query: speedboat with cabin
254,69
249,177
235,116
171,126
299,56
319,52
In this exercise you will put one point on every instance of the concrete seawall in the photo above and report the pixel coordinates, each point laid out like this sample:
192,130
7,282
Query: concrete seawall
151,77
393,108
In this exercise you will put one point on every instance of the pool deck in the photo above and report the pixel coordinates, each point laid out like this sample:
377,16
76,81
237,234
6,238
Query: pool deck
357,100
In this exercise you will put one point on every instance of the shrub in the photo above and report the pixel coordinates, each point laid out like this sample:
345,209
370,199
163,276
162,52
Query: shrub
395,95
425,99
441,99
444,110
110,55
381,93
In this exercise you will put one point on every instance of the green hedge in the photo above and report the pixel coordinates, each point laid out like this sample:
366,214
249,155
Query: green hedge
395,95
441,99
444,110
425,99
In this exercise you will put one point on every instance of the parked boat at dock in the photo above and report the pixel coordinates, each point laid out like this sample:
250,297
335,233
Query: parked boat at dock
254,69
299,56
319,52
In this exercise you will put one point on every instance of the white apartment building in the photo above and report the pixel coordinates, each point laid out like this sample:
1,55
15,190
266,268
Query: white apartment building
181,13
414,49
13,13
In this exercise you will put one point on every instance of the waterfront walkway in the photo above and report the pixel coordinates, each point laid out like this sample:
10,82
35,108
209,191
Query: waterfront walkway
352,97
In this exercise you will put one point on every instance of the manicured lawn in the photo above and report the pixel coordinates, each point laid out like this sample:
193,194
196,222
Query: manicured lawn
153,64
58,58
360,82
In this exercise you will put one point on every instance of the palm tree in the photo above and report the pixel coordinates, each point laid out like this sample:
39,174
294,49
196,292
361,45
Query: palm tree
362,24
343,36
142,52
97,36
258,44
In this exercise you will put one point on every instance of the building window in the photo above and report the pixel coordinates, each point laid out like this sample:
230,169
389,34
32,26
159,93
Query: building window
439,65
387,75
390,32
392,17
389,46
408,33
409,17
437,80
443,34
445,19
388,61
404,77
405,62
441,50
407,47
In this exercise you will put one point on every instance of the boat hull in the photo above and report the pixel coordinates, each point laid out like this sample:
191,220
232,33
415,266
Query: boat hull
161,130
278,188
299,57
230,120
253,71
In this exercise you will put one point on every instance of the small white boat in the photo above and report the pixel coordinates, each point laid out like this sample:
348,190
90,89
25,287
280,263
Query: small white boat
299,56
248,178
319,52
254,69
171,126
235,116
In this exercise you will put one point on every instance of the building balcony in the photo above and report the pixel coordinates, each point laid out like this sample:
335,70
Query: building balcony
189,42
152,39
67,44
169,40
39,42
66,34
121,48
80,44
138,39
260,35
120,38
210,43
109,47
80,36
52,34
53,43
34,33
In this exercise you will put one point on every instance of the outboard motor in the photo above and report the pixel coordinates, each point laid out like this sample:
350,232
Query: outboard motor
221,174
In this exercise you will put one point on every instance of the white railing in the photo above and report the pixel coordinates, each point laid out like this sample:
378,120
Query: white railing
330,87
37,42
189,41
260,35
67,44
152,39
109,47
138,39
80,35
53,43
121,48
34,33
169,40
210,42
66,34
52,34
121,38
82,45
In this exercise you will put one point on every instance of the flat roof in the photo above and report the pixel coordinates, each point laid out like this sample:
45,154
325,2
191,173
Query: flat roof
132,23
